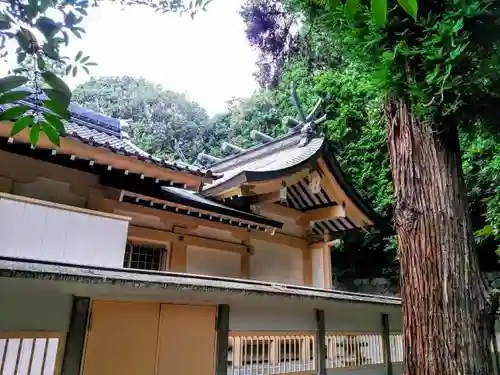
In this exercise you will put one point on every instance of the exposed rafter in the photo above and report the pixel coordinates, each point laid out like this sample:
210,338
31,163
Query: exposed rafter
322,213
206,157
259,136
230,148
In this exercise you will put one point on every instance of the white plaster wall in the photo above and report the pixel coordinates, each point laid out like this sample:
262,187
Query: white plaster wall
361,318
39,232
265,317
212,262
276,263
26,308
318,270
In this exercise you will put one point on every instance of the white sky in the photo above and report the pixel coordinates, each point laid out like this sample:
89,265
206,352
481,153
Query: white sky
209,57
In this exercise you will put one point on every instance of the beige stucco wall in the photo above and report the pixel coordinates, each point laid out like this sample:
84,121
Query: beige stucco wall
276,263
212,262
287,315
318,270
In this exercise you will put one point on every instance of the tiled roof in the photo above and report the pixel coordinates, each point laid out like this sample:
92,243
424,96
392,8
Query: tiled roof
279,155
89,134
98,130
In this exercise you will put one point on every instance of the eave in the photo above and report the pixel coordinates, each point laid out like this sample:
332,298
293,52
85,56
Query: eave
138,183
337,208
104,155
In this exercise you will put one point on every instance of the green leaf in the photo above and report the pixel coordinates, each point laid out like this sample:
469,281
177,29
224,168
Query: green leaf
57,97
21,57
379,11
458,25
44,5
68,69
85,59
35,135
55,122
48,27
32,8
351,6
50,50
13,112
410,7
4,22
58,108
76,33
11,82
21,124
40,62
332,4
91,64
13,96
66,38
86,69
57,84
51,133
78,56
75,71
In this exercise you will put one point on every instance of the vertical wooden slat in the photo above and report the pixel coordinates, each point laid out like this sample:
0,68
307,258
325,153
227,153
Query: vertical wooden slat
75,338
386,343
222,340
320,343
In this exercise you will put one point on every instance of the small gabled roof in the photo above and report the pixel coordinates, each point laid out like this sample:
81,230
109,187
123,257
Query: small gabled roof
287,156
275,159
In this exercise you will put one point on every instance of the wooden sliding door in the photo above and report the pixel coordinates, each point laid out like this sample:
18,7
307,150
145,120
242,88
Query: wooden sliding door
186,344
122,339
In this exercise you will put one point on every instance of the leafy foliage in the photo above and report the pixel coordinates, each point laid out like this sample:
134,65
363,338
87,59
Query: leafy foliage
170,125
349,62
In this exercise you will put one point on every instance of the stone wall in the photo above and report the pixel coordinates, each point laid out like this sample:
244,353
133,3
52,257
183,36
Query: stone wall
388,287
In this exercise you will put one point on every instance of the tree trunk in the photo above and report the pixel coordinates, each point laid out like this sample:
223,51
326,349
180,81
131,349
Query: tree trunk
446,306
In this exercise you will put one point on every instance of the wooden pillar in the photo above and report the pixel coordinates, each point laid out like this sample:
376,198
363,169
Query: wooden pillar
245,265
308,266
75,338
222,340
386,344
320,343
178,257
245,257
327,265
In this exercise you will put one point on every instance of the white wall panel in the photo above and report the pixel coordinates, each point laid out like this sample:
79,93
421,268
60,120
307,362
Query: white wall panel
54,234
276,263
361,318
318,269
265,317
212,262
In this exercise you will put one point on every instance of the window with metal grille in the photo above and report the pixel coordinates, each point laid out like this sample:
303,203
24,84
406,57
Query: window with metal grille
145,257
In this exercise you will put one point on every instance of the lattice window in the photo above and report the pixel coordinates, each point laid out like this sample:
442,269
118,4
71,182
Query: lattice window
145,257
256,352
29,353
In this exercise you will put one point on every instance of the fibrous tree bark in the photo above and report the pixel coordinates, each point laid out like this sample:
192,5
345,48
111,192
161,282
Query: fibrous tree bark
446,306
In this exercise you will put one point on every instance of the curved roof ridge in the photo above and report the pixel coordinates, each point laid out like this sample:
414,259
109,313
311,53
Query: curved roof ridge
253,152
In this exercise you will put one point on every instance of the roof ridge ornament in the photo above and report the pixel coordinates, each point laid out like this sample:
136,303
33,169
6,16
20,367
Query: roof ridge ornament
306,125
